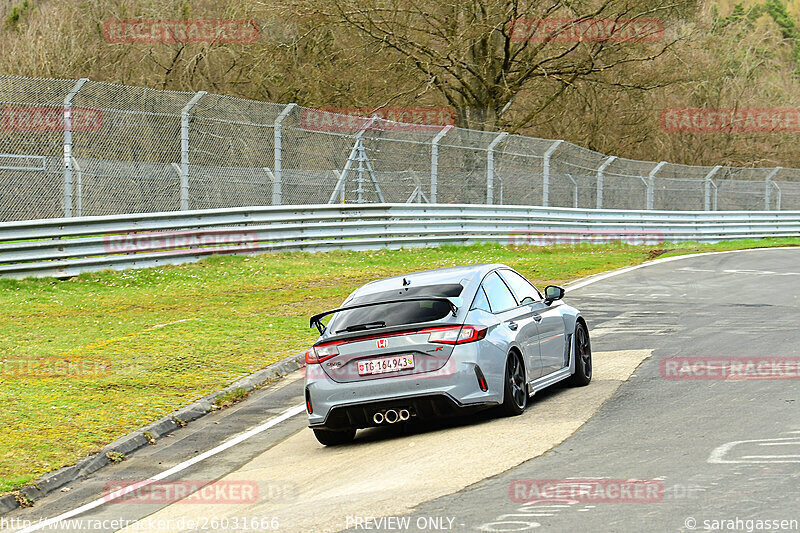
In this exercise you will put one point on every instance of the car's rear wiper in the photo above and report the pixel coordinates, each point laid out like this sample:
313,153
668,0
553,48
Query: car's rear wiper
361,327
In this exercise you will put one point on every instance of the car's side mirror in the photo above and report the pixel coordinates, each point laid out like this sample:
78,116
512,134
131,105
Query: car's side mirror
553,293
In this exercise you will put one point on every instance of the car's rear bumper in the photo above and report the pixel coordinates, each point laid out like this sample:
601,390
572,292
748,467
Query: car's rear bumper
442,393
428,407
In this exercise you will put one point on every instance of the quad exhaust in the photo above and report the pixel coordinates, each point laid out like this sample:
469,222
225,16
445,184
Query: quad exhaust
390,416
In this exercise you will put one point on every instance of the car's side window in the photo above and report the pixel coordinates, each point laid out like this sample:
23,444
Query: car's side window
521,287
500,298
481,302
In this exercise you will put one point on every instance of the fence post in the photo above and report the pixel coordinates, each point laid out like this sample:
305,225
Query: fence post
600,180
185,149
768,188
277,183
435,161
68,145
79,195
707,197
651,182
574,191
490,167
546,173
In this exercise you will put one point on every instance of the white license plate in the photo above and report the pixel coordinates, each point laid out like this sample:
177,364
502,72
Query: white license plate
385,364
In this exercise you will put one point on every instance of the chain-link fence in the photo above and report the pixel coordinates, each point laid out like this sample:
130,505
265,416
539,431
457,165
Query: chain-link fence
77,147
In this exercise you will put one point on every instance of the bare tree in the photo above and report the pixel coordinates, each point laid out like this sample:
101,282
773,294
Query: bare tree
481,55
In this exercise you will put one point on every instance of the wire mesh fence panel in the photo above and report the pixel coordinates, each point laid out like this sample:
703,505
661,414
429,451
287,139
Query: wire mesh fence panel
788,194
675,194
740,194
125,161
32,147
106,187
621,191
518,166
80,148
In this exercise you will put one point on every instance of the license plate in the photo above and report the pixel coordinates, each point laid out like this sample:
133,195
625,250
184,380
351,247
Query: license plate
385,364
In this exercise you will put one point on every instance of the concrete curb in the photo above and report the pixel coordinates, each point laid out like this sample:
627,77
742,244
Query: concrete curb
128,444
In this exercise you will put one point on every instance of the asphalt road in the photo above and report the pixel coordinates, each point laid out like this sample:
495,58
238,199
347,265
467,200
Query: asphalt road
716,450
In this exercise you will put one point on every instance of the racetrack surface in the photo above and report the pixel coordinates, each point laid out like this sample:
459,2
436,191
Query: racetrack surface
685,434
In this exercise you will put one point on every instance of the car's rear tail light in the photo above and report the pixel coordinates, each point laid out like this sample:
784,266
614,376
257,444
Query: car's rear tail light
481,379
317,354
457,334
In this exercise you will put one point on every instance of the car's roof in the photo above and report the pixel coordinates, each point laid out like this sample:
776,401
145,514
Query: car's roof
464,274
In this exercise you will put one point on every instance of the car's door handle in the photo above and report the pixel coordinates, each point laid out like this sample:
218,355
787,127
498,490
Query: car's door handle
513,326
537,318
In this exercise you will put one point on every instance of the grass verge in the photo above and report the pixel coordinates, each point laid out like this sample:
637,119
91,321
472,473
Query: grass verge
85,361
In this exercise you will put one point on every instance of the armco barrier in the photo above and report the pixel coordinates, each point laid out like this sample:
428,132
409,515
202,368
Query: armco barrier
66,247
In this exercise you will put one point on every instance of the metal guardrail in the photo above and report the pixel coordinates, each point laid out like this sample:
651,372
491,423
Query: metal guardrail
66,247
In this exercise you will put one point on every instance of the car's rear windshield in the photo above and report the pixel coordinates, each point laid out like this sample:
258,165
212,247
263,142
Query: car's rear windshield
396,314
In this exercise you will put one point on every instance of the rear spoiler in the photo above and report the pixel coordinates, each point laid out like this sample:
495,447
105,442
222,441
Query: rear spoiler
316,320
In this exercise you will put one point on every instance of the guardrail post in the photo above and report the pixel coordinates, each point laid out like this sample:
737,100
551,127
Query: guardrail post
708,183
185,148
68,145
768,188
651,181
600,180
490,167
277,183
546,173
435,161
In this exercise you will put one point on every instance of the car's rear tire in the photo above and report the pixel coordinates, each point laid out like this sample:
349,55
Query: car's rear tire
582,349
515,393
329,437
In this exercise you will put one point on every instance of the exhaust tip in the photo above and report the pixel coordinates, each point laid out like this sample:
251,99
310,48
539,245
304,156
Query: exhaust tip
377,418
404,414
391,416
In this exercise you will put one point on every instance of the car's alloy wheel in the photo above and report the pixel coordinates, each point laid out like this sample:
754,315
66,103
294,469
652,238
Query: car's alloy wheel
515,397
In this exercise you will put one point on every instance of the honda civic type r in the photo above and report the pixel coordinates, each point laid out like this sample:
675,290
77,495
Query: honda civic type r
439,342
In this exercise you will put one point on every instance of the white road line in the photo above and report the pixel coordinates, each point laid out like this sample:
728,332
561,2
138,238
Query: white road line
600,277
770,456
289,413
718,454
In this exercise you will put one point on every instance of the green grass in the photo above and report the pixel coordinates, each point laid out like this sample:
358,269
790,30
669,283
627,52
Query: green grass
105,353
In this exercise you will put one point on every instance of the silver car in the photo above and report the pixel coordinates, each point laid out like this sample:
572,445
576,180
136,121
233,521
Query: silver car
440,342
